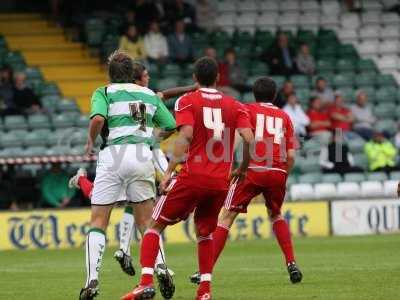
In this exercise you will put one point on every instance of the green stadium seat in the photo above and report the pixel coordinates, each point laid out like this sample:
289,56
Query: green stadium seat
279,80
354,177
172,70
259,69
67,105
15,122
167,83
365,79
252,79
385,110
300,81
187,71
58,150
305,36
94,32
49,89
35,151
342,80
360,160
243,38
63,121
331,178
311,146
308,165
386,80
303,96
77,150
14,58
33,73
388,126
291,180
326,52
356,145
78,138
377,176
395,175
60,136
348,93
366,65
347,51
264,39
345,65
82,121
310,178
221,37
386,94
37,137
50,102
370,91
248,98
38,121
325,65
186,81
170,103
398,112
11,152
14,138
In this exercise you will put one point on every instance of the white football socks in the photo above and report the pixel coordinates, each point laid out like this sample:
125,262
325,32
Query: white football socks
161,259
95,246
126,231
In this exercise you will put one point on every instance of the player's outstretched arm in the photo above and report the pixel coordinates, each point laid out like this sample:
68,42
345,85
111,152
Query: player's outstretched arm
248,138
177,91
291,155
95,126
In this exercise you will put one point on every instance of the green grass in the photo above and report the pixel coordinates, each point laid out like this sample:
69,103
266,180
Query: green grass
334,268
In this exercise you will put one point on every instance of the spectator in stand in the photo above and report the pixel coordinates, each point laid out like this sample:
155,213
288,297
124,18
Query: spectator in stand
305,61
296,113
210,52
280,57
132,44
320,123
381,154
130,19
206,14
284,93
54,188
146,12
25,100
155,44
180,44
323,91
7,105
231,73
364,119
341,117
181,10
336,157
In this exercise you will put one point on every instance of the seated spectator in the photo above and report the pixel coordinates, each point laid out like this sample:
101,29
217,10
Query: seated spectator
320,123
210,52
381,153
341,117
180,44
364,120
54,188
296,113
181,10
280,57
7,105
336,157
305,61
132,44
323,91
231,73
155,44
25,100
284,93
129,19
206,14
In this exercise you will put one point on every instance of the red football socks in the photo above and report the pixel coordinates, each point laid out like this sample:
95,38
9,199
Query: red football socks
282,233
220,235
86,186
205,247
148,254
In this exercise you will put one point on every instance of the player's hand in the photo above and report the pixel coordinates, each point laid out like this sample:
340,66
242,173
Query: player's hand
165,183
89,151
237,175
398,189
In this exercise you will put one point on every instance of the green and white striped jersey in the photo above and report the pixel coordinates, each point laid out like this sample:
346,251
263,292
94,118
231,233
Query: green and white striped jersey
131,113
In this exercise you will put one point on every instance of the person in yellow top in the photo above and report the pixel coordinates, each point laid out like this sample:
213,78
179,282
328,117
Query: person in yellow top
381,154
133,44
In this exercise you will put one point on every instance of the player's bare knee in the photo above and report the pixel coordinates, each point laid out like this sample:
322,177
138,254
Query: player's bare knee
227,218
275,217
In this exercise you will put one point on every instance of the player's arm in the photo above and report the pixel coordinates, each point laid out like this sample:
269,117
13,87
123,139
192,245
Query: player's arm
177,91
98,115
291,144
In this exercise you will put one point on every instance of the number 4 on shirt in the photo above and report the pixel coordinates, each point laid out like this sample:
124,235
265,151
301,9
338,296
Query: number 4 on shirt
213,120
273,126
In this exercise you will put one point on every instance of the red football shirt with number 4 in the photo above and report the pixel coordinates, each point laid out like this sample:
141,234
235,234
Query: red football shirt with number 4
214,118
274,136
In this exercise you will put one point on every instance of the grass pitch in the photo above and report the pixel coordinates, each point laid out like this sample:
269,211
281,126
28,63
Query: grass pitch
347,268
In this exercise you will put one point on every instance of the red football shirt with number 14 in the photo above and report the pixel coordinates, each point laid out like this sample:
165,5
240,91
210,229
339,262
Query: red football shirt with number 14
214,118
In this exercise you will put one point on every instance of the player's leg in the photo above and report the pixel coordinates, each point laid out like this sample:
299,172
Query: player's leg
80,181
274,197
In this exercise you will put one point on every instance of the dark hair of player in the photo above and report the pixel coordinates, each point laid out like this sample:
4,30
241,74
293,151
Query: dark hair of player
264,89
120,67
320,78
206,71
138,69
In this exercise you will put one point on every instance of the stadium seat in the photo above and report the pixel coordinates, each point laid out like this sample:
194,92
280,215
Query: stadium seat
368,48
66,105
303,95
34,151
58,150
63,121
391,19
309,20
364,65
94,31
361,161
288,21
82,121
309,6
324,65
354,177
371,18
300,81
386,94
390,32
386,80
385,111
371,189
389,47
13,138
388,63
291,180
167,83
266,21
15,122
331,178
343,80
259,69
49,89
39,121
37,137
387,126
395,176
247,21
248,97
11,152
356,145
325,191
345,65
308,165
390,188
310,178
78,138
348,35
171,70
377,176
370,32
365,79
301,191
329,21
247,5
226,6
348,190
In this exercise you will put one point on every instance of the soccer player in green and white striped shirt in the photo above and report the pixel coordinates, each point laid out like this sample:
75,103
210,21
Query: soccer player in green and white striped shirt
124,115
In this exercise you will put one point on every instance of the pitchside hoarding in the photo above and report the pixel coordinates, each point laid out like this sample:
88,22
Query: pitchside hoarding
365,216
53,229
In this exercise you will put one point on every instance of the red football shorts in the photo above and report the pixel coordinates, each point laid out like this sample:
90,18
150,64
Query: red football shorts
183,199
272,184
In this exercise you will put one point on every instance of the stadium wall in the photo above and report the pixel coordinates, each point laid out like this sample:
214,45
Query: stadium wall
57,229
